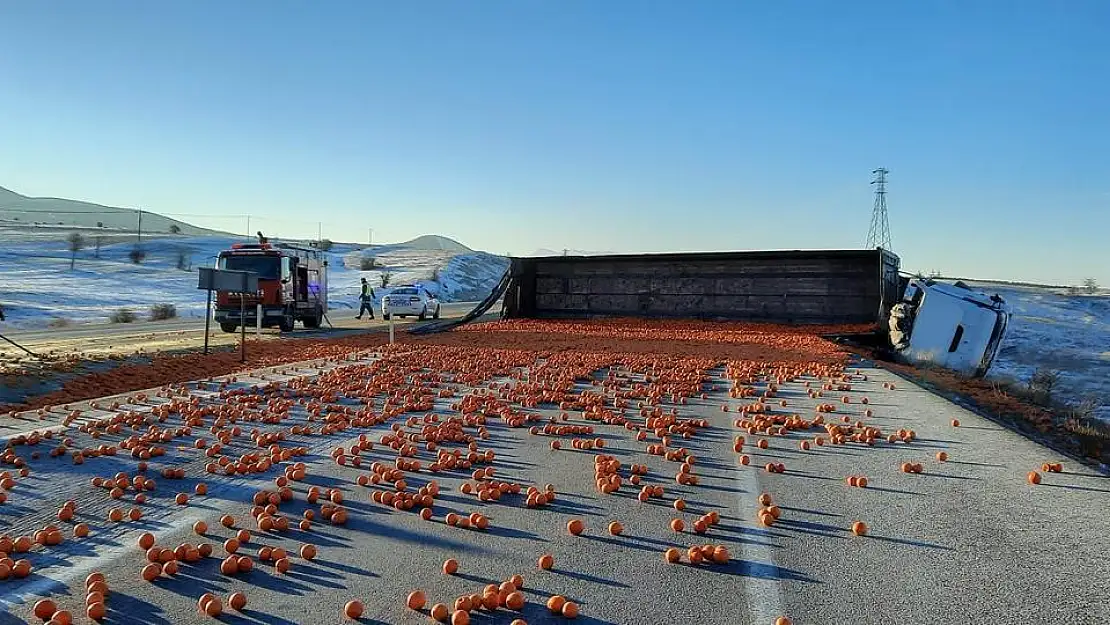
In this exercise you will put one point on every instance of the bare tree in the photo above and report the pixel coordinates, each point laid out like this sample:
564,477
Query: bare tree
385,276
175,229
1090,285
76,242
97,240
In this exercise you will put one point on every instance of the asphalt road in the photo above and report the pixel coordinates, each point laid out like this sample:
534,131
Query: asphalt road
341,319
965,541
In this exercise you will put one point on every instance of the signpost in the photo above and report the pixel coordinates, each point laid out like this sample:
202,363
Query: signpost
241,282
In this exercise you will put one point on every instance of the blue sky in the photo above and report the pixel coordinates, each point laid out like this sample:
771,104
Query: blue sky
609,125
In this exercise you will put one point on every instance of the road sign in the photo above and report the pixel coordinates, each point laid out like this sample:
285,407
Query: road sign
228,280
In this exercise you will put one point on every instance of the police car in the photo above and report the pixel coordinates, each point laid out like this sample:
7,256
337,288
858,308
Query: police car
410,300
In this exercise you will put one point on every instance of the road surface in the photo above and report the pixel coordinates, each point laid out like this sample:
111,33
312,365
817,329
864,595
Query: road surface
101,338
964,541
342,319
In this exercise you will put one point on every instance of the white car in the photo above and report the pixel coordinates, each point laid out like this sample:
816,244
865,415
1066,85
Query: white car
410,300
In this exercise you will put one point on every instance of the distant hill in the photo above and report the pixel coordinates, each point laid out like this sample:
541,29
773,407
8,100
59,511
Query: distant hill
49,211
435,242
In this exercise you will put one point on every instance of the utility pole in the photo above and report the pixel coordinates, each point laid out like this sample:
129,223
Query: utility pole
370,238
248,227
878,235
319,232
140,226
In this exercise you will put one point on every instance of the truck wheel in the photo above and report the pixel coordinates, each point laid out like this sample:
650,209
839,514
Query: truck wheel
423,314
229,327
385,316
286,324
435,315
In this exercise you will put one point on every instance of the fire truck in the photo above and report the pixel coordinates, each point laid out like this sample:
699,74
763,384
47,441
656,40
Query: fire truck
292,286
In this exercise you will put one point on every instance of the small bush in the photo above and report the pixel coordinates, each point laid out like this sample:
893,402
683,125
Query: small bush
59,322
159,312
175,229
184,261
137,255
1042,384
435,274
366,263
385,277
123,315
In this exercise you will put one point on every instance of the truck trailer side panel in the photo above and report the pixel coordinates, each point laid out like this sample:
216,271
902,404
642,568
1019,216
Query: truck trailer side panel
837,286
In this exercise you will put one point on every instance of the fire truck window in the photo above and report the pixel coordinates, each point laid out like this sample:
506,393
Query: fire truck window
267,267
285,268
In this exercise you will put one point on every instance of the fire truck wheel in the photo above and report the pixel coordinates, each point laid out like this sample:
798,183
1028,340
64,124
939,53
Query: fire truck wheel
286,324
229,327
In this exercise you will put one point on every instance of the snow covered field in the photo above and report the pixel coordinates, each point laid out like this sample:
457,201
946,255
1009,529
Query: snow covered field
1056,331
37,286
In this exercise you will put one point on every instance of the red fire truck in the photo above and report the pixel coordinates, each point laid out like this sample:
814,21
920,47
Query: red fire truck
292,286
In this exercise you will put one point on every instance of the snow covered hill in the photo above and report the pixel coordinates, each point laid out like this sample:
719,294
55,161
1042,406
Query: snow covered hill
53,213
38,288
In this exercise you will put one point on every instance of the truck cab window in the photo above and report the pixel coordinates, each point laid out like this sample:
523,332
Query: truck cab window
959,335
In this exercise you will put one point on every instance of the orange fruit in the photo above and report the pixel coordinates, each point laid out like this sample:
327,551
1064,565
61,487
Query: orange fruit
859,528
151,572
555,603
440,612
237,601
45,608
416,600
353,609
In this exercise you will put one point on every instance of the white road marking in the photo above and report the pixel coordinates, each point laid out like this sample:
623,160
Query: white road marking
764,595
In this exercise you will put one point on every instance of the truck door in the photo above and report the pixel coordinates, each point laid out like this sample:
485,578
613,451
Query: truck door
288,284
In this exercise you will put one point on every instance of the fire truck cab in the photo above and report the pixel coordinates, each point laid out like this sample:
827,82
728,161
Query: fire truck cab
292,286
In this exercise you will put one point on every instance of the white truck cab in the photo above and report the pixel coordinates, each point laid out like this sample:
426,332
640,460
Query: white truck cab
948,325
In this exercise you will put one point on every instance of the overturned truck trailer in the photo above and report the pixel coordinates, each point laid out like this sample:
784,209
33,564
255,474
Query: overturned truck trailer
794,287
